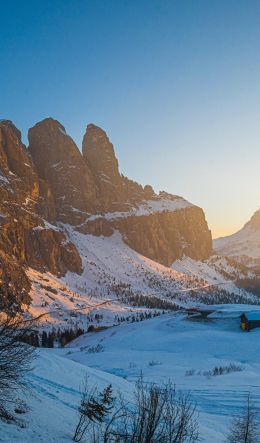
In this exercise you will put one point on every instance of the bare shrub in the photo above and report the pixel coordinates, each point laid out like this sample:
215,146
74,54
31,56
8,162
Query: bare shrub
15,361
190,372
157,414
217,370
154,363
245,428
95,349
221,370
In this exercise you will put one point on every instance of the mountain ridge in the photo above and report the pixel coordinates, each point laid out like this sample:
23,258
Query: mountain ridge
52,184
243,245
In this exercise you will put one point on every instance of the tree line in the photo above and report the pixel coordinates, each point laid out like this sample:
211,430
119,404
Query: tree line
48,339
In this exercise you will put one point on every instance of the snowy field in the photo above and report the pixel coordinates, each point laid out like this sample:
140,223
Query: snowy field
167,347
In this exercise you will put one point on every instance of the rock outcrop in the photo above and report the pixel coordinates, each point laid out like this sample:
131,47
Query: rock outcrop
163,229
51,184
116,192
168,236
60,164
99,152
24,200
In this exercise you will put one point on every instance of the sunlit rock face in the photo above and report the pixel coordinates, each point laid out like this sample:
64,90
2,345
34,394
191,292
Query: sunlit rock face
115,191
52,184
19,192
99,152
25,198
168,236
60,164
162,235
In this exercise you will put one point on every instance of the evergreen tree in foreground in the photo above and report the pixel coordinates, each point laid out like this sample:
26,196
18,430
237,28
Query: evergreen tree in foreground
94,408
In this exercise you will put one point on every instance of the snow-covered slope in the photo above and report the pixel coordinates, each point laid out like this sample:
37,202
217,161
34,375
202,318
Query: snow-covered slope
168,347
118,282
243,245
53,398
147,207
217,271
173,347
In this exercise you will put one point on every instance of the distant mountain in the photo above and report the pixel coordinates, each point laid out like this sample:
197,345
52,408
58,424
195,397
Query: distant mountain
244,245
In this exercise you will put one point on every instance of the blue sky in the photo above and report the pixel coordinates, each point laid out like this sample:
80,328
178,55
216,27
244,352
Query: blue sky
176,85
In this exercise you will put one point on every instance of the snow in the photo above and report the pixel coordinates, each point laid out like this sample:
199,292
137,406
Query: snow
53,399
168,346
112,261
56,164
165,348
62,130
111,257
146,208
47,226
210,271
111,271
3,178
246,242
58,305
253,315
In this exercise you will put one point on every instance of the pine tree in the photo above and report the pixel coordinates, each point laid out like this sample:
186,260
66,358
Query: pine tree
44,339
94,408
50,340
36,340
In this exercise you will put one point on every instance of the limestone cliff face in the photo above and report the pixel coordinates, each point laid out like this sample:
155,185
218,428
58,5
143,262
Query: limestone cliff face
99,152
52,183
168,236
48,250
115,191
60,164
24,199
163,236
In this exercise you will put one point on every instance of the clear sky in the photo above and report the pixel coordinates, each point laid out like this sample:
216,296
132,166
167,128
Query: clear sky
176,85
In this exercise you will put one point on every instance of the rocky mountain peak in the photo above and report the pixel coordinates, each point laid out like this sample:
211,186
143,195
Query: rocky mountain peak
53,182
49,138
99,153
15,161
255,221
60,163
9,125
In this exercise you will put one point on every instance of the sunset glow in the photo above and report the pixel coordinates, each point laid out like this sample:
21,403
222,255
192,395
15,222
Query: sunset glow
174,84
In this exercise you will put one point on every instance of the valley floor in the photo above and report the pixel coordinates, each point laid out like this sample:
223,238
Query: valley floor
166,347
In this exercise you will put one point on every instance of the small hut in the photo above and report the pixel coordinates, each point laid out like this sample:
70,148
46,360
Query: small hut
250,320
